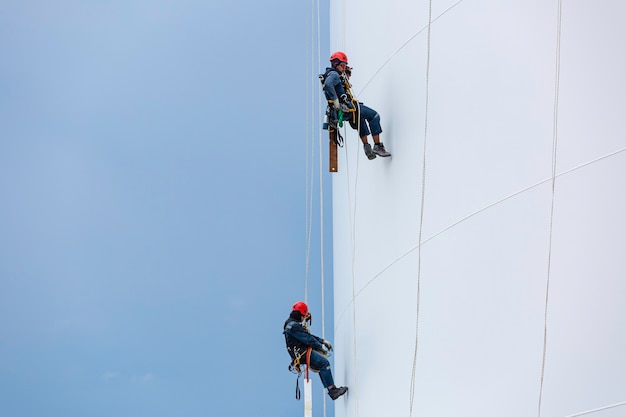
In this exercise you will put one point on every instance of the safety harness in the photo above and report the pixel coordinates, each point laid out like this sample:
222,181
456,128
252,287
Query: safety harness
348,112
296,365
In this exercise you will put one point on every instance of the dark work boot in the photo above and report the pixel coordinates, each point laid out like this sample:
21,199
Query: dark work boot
379,149
368,151
337,392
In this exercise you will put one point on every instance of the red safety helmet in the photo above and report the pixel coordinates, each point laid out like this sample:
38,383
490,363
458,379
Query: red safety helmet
301,307
340,56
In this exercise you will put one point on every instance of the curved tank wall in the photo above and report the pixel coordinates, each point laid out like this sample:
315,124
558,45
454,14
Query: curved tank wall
507,83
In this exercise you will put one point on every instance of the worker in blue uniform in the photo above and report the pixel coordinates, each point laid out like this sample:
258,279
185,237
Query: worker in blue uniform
365,119
300,342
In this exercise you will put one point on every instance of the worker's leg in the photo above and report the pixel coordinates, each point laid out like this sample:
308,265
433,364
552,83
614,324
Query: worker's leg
373,119
370,119
321,364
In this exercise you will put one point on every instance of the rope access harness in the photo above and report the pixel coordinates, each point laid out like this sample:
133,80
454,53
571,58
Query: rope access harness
296,367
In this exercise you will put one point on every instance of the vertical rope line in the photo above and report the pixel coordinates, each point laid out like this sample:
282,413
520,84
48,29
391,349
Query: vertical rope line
351,226
308,156
554,161
318,123
343,25
352,221
356,192
354,333
321,183
419,250
354,215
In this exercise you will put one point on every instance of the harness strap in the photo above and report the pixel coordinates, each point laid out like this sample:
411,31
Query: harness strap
308,361
298,388
339,139
296,365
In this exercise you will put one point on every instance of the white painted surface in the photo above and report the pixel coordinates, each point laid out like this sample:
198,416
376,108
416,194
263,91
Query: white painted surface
490,123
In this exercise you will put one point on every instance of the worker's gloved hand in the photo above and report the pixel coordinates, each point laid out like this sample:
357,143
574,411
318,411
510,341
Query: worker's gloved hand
328,345
336,104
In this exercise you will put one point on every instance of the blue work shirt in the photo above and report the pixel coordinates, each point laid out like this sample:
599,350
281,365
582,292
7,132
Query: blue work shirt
333,87
299,339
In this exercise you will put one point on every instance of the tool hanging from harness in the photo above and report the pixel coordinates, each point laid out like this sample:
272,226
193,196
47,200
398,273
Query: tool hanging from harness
348,110
296,367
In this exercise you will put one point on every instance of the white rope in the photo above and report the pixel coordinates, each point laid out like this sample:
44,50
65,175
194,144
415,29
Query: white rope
321,153
316,116
554,154
321,181
421,219
351,228
469,216
343,25
597,409
351,225
353,240
310,154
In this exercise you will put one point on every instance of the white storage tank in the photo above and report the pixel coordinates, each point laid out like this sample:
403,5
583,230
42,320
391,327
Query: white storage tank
506,124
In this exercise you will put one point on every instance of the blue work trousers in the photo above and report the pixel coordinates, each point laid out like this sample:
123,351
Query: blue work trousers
369,120
320,363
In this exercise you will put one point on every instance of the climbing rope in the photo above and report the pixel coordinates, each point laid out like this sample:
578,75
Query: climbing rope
595,410
352,222
309,147
352,209
554,154
321,196
421,223
351,227
353,248
321,182
313,40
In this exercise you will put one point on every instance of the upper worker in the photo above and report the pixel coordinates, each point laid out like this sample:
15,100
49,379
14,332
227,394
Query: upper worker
339,96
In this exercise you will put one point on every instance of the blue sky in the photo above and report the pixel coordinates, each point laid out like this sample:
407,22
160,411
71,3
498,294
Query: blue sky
153,182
